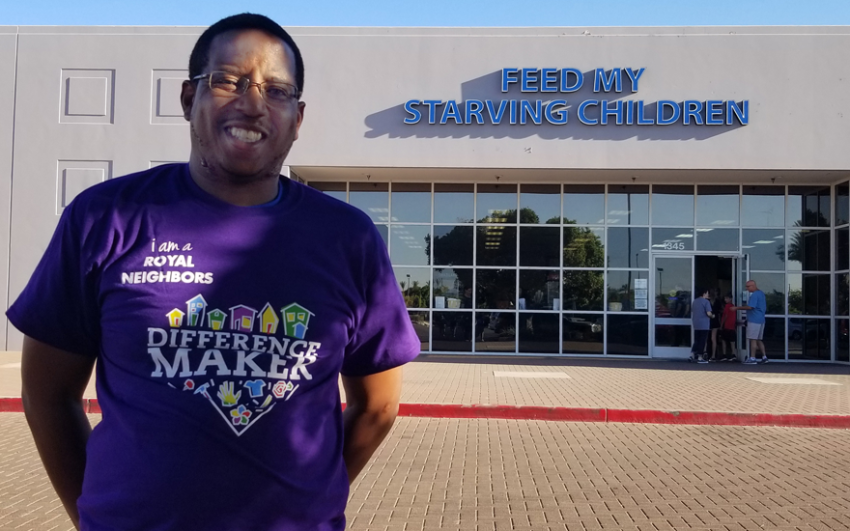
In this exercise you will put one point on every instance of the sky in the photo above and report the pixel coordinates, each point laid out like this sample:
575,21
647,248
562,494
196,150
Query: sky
431,12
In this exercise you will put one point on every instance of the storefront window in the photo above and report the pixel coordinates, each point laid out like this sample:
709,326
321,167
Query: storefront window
583,333
766,248
540,203
584,204
808,250
453,244
808,206
808,294
335,190
539,246
842,204
628,247
763,206
808,339
538,332
496,245
496,203
672,205
584,246
842,345
452,288
495,289
415,285
628,334
842,249
672,239
718,205
383,230
453,203
409,244
774,338
371,198
539,289
628,205
421,326
717,239
411,202
495,331
842,291
451,332
773,286
583,290
627,291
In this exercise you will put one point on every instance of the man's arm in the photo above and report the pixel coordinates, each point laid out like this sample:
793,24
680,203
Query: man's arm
53,384
371,408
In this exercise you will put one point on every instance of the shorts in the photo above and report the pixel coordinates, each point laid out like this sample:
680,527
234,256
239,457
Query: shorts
755,331
728,335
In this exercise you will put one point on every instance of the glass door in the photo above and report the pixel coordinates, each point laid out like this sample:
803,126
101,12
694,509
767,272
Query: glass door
673,292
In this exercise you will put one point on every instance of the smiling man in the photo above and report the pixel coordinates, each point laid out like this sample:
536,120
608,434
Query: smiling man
221,303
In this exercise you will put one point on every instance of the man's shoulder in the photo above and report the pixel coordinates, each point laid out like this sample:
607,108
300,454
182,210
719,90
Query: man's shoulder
146,185
329,208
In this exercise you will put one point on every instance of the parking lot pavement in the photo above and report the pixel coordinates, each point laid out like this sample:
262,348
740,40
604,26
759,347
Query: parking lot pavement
477,474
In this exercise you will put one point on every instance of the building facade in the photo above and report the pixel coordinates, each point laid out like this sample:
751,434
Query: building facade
542,191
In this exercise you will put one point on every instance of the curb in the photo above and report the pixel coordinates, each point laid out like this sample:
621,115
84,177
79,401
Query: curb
575,414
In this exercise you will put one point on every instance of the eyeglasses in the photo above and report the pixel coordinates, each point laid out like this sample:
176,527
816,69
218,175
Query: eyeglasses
273,92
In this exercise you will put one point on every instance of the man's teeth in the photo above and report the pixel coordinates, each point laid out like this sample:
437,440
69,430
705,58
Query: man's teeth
244,135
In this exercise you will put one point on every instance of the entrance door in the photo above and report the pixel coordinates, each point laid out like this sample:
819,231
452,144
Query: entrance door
673,293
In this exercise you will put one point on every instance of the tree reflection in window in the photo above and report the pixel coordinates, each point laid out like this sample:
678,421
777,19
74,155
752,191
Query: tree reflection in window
583,247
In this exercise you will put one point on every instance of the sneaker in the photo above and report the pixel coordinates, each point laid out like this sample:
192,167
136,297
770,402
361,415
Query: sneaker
691,359
749,361
763,360
712,360
731,358
702,360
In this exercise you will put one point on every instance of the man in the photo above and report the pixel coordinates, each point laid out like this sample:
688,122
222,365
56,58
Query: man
701,318
756,308
221,302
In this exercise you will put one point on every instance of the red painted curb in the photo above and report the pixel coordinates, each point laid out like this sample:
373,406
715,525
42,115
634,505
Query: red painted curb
574,414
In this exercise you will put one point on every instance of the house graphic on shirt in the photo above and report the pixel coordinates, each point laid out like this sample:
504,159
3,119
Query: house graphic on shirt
216,319
242,318
195,310
295,320
175,318
268,320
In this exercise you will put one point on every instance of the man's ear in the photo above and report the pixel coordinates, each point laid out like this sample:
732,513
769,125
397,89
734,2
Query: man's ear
187,97
300,118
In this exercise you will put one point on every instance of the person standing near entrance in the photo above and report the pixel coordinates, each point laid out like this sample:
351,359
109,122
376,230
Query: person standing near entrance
756,308
701,317
729,329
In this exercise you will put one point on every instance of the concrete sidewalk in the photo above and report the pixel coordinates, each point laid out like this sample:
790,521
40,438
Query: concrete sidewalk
477,386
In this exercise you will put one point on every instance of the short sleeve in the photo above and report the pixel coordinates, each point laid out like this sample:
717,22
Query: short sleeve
58,306
384,337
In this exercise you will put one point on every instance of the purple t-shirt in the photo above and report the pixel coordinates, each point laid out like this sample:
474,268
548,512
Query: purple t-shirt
220,332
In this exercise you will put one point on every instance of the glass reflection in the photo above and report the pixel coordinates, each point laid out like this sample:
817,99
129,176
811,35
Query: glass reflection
451,332
672,205
415,284
383,230
335,190
808,206
628,247
495,201
766,248
763,206
842,204
495,331
411,202
842,290
717,239
718,205
808,339
540,203
495,289
773,286
583,333
842,249
422,327
672,335
539,290
673,295
539,246
774,338
373,199
410,245
808,250
584,204
628,205
627,291
808,294
453,244
452,288
628,334
673,239
538,332
496,245
584,246
453,203
583,290
842,345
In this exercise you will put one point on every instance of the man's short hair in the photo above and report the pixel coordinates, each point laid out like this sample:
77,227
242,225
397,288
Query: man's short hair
245,21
